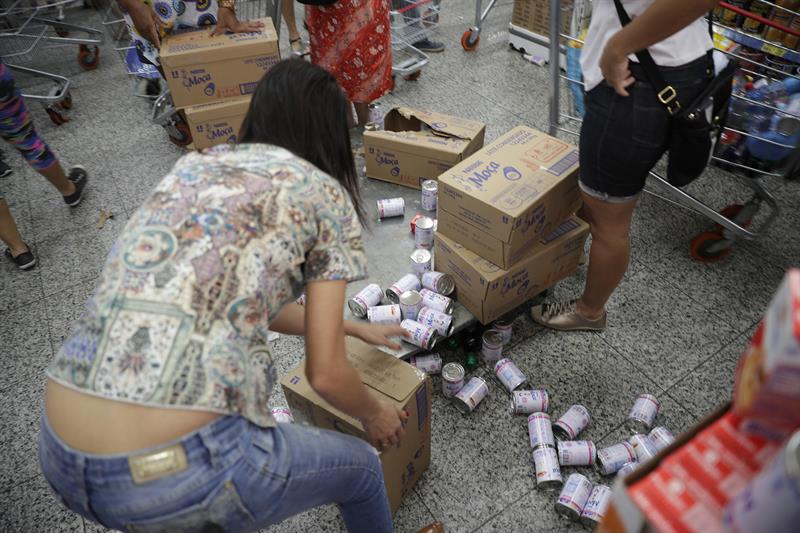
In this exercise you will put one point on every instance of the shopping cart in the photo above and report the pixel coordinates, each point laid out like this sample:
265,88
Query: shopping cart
735,221
411,22
147,79
472,37
26,31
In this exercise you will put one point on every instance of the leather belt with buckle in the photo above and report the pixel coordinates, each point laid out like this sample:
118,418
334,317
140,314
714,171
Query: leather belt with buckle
159,464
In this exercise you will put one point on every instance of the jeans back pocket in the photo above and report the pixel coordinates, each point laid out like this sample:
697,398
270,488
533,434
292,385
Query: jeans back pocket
222,510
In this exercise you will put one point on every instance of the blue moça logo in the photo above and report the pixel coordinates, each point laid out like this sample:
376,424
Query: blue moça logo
512,174
479,177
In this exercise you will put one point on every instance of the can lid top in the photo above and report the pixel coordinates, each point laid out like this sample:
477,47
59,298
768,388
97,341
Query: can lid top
493,336
425,223
410,298
421,255
453,371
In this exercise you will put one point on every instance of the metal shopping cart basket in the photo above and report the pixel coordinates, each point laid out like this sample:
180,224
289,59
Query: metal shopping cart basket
145,77
26,30
735,221
411,21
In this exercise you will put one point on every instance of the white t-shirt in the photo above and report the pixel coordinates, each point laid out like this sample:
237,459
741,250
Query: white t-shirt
683,47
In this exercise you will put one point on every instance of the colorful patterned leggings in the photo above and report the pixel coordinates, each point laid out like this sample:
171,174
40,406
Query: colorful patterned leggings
16,125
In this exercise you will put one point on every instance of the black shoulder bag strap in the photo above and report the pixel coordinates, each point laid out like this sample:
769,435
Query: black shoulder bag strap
667,94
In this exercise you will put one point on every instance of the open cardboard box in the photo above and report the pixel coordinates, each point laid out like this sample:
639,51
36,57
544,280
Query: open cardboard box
416,145
489,291
392,380
200,68
501,200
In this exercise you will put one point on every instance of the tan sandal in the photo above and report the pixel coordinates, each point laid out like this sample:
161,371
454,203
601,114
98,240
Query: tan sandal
299,49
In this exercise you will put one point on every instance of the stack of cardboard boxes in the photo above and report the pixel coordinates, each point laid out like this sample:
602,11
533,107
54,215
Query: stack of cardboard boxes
506,224
211,78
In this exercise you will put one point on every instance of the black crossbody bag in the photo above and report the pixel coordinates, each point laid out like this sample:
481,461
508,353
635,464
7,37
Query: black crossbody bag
696,127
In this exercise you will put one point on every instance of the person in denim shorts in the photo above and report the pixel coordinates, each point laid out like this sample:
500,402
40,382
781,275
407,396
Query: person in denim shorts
625,132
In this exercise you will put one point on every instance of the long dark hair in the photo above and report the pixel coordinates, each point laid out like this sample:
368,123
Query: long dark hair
301,107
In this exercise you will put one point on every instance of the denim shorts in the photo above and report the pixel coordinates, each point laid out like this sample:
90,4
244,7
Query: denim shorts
623,137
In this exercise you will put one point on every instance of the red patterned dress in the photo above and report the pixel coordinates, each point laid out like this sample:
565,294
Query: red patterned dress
351,40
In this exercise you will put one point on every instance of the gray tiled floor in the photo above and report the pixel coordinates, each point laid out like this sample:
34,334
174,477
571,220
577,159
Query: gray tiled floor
676,327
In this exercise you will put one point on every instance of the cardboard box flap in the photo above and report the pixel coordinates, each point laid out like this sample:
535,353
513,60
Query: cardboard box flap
181,49
218,110
444,125
387,375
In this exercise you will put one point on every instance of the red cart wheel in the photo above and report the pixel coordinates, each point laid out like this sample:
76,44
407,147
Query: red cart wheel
88,58
179,134
468,42
414,76
710,247
66,103
61,32
56,116
731,212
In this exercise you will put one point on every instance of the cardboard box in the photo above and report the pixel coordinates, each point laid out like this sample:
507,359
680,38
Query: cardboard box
417,145
217,123
534,16
392,380
488,291
501,200
201,69
767,388
686,486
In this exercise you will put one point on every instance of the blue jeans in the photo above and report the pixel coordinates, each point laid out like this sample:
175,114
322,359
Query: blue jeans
236,477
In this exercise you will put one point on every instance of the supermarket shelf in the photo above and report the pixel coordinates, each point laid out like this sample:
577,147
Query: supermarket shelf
756,43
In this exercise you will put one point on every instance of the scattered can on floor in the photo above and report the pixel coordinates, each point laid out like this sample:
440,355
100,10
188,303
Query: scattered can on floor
423,236
421,260
438,282
576,453
391,207
441,322
571,423
492,346
418,216
385,314
525,402
661,437
540,431
420,335
369,296
409,282
452,379
430,193
627,468
596,506
376,114
429,363
611,459
643,413
282,415
574,496
771,502
410,304
643,447
437,301
548,472
509,374
471,394
505,329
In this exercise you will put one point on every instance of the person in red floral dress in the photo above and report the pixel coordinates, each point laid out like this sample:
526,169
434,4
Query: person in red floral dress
351,39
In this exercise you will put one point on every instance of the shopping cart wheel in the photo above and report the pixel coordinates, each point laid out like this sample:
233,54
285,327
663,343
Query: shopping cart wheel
469,41
56,116
414,76
179,134
88,58
66,102
710,247
61,32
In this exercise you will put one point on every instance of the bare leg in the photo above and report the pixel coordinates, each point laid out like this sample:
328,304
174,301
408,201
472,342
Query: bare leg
287,10
55,175
609,256
9,233
362,112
